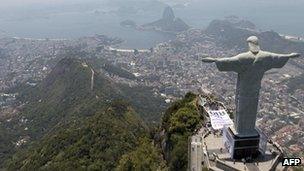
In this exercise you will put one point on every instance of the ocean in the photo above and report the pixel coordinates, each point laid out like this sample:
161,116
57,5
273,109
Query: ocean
77,20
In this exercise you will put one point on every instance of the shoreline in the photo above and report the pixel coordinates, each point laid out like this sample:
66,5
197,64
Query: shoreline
121,49
40,39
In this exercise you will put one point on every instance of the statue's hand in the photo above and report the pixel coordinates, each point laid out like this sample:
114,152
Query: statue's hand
209,60
295,55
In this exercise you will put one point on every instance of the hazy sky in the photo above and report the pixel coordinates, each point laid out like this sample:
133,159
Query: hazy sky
27,2
23,2
18,3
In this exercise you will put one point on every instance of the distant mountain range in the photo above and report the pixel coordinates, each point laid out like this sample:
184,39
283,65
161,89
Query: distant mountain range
233,34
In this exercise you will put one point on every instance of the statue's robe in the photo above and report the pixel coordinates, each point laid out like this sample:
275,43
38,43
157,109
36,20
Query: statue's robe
251,69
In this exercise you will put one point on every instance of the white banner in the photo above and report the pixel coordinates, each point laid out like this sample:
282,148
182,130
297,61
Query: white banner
219,119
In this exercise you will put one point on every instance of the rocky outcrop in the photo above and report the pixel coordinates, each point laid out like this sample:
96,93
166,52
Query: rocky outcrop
168,23
168,14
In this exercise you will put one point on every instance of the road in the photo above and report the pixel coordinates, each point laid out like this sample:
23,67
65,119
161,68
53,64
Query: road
128,50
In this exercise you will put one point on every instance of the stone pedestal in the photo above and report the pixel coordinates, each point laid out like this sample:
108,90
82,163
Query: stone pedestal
241,147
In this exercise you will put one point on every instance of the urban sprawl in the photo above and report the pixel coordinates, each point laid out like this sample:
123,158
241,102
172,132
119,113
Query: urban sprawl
172,68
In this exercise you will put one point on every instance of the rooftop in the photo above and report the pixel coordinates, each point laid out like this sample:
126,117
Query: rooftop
215,146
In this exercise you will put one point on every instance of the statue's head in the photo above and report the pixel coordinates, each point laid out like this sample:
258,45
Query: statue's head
253,43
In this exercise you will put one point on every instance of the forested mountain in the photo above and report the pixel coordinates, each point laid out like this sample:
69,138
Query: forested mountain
115,138
179,122
66,92
68,124
94,143
68,96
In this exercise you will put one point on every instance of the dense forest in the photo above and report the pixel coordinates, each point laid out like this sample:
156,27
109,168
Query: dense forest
179,122
64,100
69,126
113,137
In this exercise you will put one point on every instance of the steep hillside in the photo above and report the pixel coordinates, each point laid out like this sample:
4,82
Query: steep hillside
145,157
6,137
180,121
63,94
66,92
114,139
66,95
94,143
66,125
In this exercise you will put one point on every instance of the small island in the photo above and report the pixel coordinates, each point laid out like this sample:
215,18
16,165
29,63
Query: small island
128,24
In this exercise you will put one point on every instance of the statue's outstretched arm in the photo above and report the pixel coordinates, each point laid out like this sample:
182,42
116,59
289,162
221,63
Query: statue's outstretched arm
225,64
211,59
291,55
279,60
294,55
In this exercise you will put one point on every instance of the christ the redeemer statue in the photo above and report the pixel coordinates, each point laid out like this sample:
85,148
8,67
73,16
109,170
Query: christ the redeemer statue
251,67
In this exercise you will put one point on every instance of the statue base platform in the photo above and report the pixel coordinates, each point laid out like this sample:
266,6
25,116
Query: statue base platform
241,147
